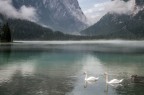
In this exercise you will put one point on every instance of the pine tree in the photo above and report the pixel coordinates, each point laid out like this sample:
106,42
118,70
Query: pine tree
6,35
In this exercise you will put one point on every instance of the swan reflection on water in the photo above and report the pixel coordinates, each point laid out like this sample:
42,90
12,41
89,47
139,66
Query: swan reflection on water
86,83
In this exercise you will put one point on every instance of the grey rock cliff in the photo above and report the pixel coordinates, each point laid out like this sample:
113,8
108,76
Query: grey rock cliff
61,15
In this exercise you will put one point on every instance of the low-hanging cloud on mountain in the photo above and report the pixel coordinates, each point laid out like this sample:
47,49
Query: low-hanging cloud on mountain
8,10
115,6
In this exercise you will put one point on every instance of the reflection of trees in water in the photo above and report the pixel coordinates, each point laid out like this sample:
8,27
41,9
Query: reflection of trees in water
8,55
5,53
120,58
36,85
11,52
124,63
131,89
126,88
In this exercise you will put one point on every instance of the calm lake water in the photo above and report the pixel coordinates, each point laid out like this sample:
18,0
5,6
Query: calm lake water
56,68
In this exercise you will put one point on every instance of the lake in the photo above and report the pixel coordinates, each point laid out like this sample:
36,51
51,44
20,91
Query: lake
57,67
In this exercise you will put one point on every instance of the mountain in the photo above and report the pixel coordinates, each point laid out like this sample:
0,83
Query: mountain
114,25
61,15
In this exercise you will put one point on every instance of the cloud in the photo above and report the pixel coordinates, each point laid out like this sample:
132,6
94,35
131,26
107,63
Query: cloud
27,13
121,7
117,6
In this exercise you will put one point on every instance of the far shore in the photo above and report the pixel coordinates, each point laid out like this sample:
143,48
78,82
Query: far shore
116,41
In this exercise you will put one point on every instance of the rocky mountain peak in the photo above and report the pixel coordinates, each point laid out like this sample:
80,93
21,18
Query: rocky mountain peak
61,15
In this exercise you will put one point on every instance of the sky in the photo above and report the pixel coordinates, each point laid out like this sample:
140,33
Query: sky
86,4
96,9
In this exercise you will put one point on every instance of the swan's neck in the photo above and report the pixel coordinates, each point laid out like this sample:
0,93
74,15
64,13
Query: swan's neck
85,76
106,78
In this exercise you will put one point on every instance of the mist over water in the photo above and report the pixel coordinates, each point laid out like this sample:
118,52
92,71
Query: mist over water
121,46
57,67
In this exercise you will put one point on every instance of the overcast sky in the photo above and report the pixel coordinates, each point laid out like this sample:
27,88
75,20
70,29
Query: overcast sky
95,9
86,4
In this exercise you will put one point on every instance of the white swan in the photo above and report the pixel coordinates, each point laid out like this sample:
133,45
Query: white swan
90,79
113,81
